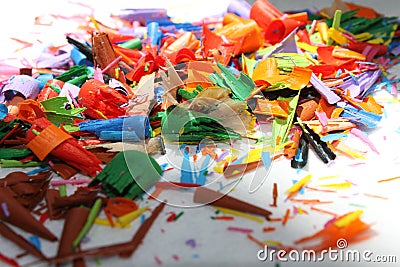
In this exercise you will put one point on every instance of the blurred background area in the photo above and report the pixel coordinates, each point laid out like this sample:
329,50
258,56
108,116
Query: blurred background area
56,18
387,7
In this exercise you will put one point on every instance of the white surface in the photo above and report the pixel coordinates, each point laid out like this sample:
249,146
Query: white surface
218,247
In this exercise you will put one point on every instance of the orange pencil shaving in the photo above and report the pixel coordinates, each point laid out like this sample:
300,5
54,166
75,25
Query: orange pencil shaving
277,108
286,217
245,31
268,229
320,190
375,196
275,219
267,70
290,150
333,125
347,228
324,211
298,78
322,28
256,91
223,218
363,11
258,242
311,201
124,57
263,12
156,193
340,52
274,195
301,16
389,179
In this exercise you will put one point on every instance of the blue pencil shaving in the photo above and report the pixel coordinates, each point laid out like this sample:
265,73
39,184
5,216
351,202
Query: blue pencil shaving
128,136
164,166
240,8
186,169
301,191
298,157
332,137
191,243
135,127
37,170
201,175
34,240
361,117
339,71
5,209
154,33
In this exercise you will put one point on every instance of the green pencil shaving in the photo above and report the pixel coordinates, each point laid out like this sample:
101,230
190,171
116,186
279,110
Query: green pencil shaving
89,222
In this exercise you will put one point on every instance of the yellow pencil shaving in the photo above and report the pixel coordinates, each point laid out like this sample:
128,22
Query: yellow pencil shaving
253,156
324,14
307,47
311,59
322,28
297,186
353,154
345,185
233,152
388,41
328,177
383,71
272,243
240,214
363,36
349,151
300,210
96,25
127,218
157,131
349,218
376,41
219,169
269,149
388,100
282,146
105,222
337,36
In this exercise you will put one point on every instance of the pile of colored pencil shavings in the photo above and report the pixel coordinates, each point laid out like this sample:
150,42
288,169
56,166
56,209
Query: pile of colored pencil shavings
105,126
